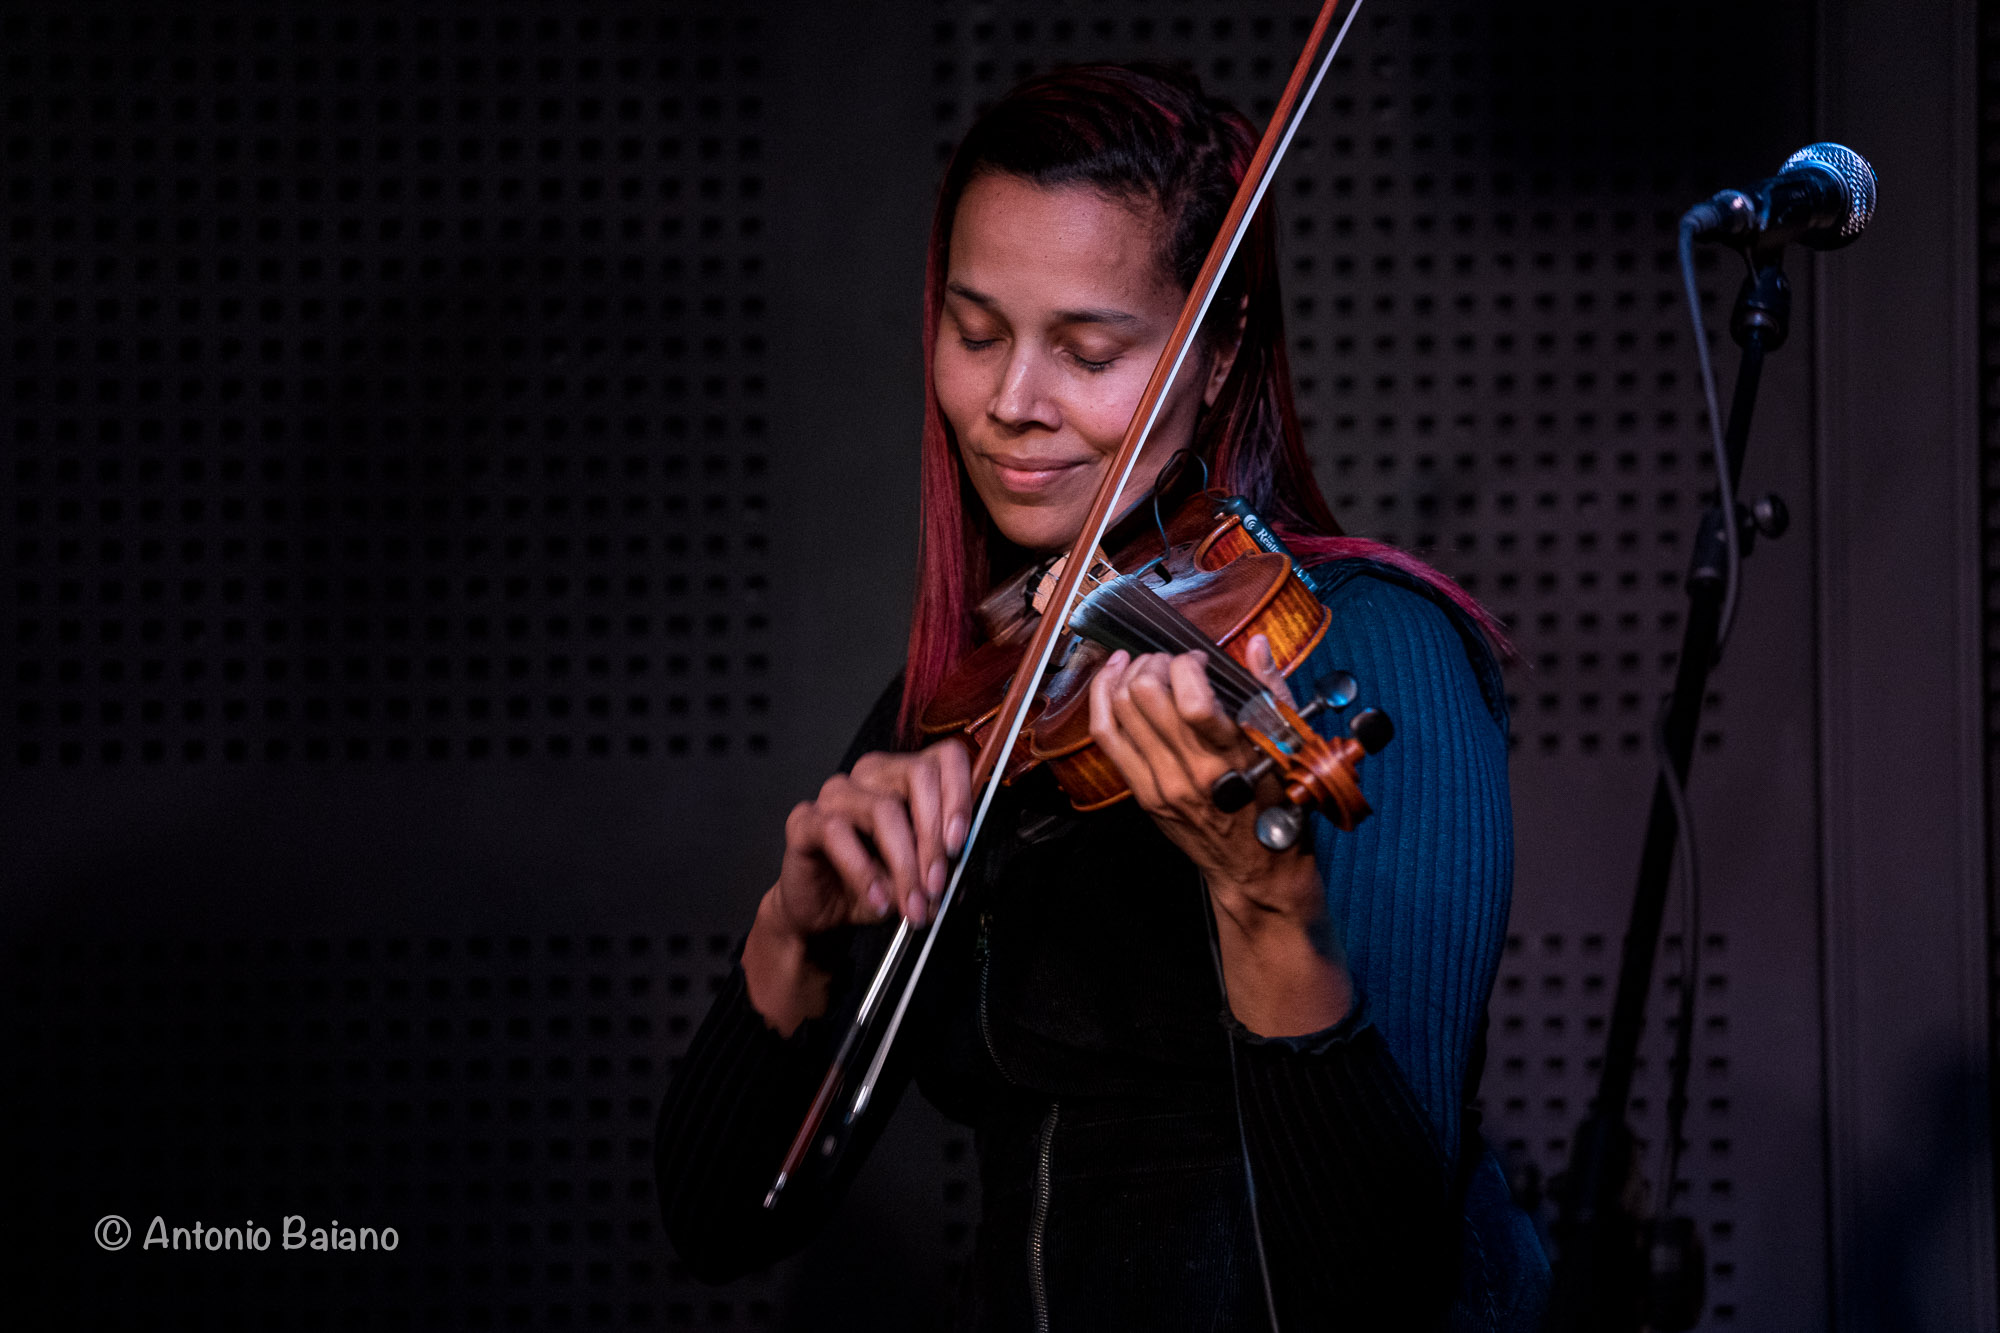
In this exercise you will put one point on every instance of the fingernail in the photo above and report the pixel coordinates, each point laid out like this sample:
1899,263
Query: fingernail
878,898
935,879
916,909
954,834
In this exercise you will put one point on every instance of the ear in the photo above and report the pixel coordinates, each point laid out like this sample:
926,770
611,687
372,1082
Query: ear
1225,360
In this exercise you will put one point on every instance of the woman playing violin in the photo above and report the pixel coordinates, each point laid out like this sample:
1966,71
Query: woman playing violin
1212,1085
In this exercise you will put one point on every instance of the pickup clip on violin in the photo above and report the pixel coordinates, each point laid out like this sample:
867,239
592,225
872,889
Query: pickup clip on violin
1216,576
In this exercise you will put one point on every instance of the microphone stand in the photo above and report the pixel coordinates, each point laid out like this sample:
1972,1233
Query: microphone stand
1602,1274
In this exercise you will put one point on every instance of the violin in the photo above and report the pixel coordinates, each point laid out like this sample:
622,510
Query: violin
1205,584
1235,581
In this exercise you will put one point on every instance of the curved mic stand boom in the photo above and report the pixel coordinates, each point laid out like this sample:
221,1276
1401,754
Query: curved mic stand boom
818,1135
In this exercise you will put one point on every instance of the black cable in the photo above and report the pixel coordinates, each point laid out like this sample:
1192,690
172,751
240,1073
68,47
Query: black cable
1725,489
1175,461
1236,1091
1725,500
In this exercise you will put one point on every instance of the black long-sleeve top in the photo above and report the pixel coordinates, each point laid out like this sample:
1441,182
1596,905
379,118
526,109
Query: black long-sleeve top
1074,1019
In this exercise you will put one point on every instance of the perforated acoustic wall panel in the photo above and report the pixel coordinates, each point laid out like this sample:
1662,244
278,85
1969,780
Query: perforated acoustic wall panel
385,384
386,420
458,470
489,1101
1488,330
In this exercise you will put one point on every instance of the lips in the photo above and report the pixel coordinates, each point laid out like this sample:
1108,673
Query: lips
1025,476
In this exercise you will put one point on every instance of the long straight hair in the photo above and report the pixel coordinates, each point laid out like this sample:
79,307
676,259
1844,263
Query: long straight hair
1147,133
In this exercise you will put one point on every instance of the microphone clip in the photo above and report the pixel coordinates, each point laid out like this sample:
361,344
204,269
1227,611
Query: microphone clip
1725,216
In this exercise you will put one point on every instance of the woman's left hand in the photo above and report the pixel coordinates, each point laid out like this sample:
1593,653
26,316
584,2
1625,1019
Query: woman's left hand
1158,720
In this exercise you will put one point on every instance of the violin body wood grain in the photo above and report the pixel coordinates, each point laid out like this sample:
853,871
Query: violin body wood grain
1222,583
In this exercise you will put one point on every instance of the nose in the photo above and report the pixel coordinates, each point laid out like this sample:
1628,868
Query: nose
1021,400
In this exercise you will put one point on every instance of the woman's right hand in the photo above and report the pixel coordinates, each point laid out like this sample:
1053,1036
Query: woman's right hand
877,839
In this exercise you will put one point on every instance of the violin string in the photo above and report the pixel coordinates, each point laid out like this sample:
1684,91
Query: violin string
1129,610
1222,663
1132,624
1232,686
1176,629
1158,627
1176,626
1113,617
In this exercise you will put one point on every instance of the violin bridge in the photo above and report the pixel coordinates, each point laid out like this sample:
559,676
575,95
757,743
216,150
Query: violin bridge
1045,587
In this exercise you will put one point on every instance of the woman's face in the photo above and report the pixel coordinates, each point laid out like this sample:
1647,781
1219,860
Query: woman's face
1056,308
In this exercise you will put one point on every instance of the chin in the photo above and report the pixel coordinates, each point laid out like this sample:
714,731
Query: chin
1049,531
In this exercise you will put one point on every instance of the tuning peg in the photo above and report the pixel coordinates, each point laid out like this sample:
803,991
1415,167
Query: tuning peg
1278,826
1372,727
1233,790
1336,691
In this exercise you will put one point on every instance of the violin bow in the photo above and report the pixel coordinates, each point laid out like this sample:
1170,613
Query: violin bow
991,764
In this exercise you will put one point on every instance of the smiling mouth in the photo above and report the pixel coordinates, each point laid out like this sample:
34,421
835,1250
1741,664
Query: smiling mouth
1031,475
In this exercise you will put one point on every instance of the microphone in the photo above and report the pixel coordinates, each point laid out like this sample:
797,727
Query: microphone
1822,197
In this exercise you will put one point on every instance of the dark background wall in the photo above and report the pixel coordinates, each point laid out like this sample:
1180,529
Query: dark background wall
459,468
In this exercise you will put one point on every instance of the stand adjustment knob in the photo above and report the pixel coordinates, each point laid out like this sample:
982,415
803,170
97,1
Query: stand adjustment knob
1771,517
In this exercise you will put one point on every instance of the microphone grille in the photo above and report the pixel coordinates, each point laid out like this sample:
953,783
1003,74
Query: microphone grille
1854,173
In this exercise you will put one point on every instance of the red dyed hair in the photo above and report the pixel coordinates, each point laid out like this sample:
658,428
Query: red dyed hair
1145,132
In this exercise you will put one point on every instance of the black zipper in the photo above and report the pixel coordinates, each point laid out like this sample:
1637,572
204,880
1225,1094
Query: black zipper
984,948
1038,1286
1038,1220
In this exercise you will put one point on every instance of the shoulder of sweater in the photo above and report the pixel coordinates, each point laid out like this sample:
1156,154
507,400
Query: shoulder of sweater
1391,618
1387,613
1367,595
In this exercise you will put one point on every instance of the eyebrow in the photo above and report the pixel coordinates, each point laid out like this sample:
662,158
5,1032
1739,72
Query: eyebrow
1081,316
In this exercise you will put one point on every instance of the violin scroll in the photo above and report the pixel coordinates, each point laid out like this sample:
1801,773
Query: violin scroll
1318,774
1234,790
